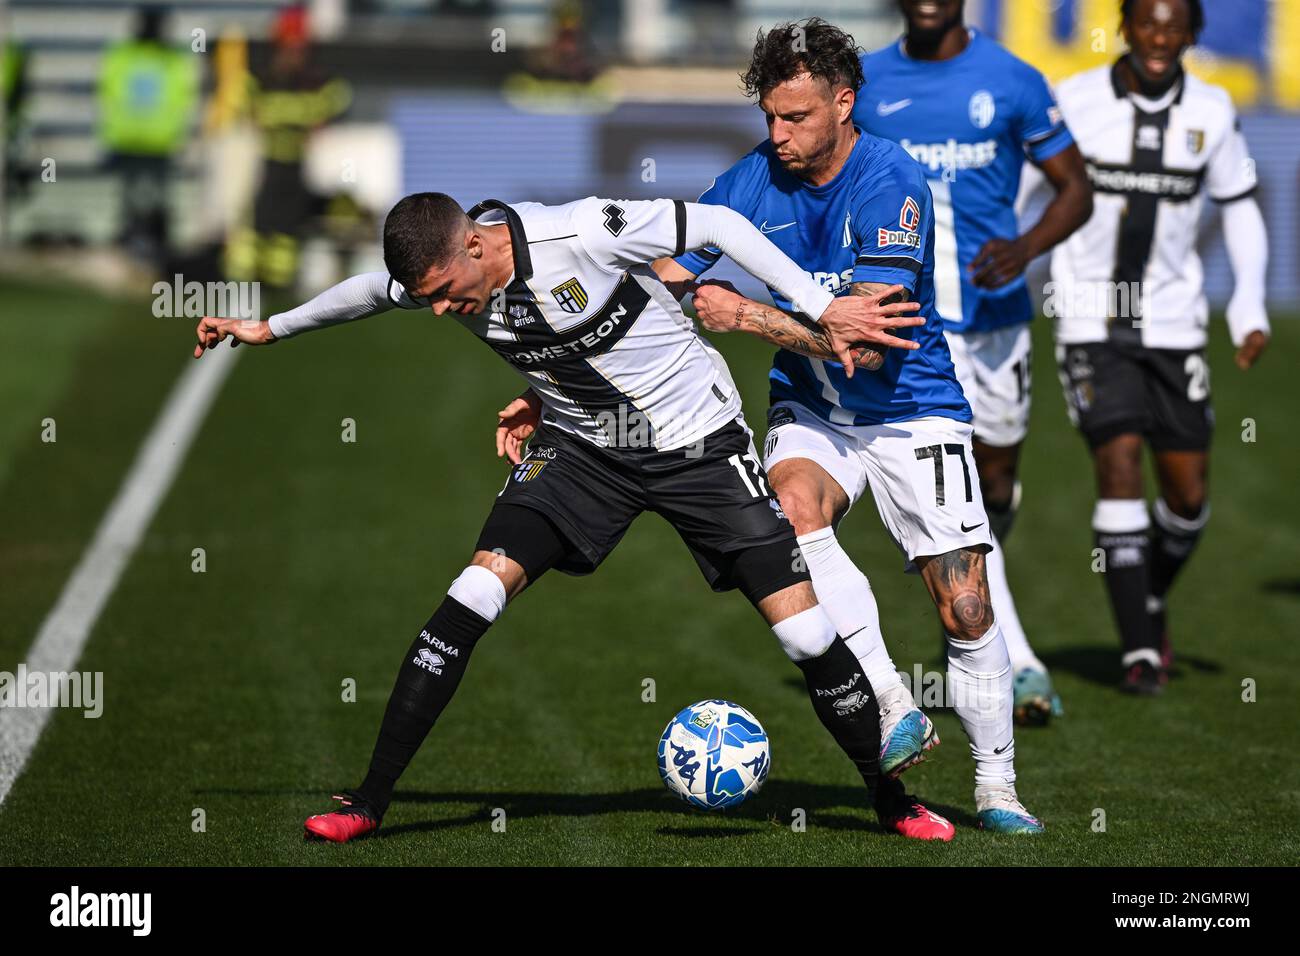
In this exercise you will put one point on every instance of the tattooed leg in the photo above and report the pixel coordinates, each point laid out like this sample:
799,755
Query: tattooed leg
960,590
979,669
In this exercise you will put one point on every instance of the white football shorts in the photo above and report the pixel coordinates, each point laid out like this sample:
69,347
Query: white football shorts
921,474
993,369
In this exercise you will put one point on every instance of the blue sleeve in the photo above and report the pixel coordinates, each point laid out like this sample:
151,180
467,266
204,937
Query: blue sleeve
1039,124
891,220
739,188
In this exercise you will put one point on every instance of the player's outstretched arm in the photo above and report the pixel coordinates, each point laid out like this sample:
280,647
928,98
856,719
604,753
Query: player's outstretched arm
213,331
848,321
621,234
359,297
722,308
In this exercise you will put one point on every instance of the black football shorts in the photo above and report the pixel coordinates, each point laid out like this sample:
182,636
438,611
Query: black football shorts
1116,388
715,494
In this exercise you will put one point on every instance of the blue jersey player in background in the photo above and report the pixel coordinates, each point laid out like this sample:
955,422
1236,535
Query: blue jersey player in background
855,211
970,113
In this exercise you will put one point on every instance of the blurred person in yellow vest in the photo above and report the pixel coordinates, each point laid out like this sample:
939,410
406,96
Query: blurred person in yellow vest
287,101
148,93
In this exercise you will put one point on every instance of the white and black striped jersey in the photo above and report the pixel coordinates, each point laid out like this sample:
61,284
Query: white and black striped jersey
593,329
587,322
1132,271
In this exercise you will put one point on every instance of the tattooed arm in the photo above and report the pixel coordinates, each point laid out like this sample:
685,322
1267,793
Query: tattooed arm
722,309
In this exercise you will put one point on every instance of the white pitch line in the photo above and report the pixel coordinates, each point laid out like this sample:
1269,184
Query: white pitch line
66,628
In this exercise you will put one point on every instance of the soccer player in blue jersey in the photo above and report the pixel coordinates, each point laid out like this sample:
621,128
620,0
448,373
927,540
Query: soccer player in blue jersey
969,112
855,211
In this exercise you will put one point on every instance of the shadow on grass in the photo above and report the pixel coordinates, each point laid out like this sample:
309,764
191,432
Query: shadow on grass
1287,586
1094,663
828,806
1100,665
708,832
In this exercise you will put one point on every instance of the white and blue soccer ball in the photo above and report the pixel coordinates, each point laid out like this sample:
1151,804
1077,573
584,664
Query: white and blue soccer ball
714,755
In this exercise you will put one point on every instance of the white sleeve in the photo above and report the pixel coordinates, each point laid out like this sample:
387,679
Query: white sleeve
619,234
356,298
1247,241
1230,172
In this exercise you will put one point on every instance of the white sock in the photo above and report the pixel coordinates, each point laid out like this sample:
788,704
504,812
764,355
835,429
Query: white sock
805,635
1004,610
481,591
979,679
845,594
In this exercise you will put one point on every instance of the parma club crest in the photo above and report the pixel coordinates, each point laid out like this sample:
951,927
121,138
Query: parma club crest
1195,140
528,470
570,295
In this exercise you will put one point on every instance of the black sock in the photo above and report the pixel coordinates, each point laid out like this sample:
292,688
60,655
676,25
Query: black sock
425,684
1173,538
1002,514
845,705
890,797
1128,582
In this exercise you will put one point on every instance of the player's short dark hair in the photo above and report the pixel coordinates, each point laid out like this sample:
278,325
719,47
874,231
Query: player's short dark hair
1195,15
421,231
808,46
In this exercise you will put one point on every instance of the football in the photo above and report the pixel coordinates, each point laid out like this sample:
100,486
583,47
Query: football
714,755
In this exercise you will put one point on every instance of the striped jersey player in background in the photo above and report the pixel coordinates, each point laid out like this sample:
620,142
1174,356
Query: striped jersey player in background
854,210
1131,310
970,112
638,413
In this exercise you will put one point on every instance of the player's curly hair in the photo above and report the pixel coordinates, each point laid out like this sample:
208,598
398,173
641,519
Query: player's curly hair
1195,15
808,46
421,231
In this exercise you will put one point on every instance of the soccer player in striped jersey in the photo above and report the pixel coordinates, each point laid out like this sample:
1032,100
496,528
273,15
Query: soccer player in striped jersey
637,413
970,113
1131,310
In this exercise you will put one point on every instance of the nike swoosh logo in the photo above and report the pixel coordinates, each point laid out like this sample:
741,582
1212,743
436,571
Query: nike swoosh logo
765,228
884,109
971,528
998,750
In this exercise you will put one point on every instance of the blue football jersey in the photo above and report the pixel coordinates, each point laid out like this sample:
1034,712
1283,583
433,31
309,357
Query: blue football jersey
874,222
969,121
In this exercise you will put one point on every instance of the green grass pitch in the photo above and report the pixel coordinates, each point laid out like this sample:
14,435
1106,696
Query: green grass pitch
223,689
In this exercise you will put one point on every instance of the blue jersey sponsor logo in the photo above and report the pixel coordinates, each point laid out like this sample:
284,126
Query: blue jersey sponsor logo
969,122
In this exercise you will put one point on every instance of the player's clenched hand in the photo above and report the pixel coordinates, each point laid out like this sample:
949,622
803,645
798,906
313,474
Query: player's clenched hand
212,332
718,305
1251,349
999,261
516,423
854,320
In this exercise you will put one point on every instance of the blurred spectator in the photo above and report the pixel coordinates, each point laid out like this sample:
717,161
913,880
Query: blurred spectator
148,92
287,101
